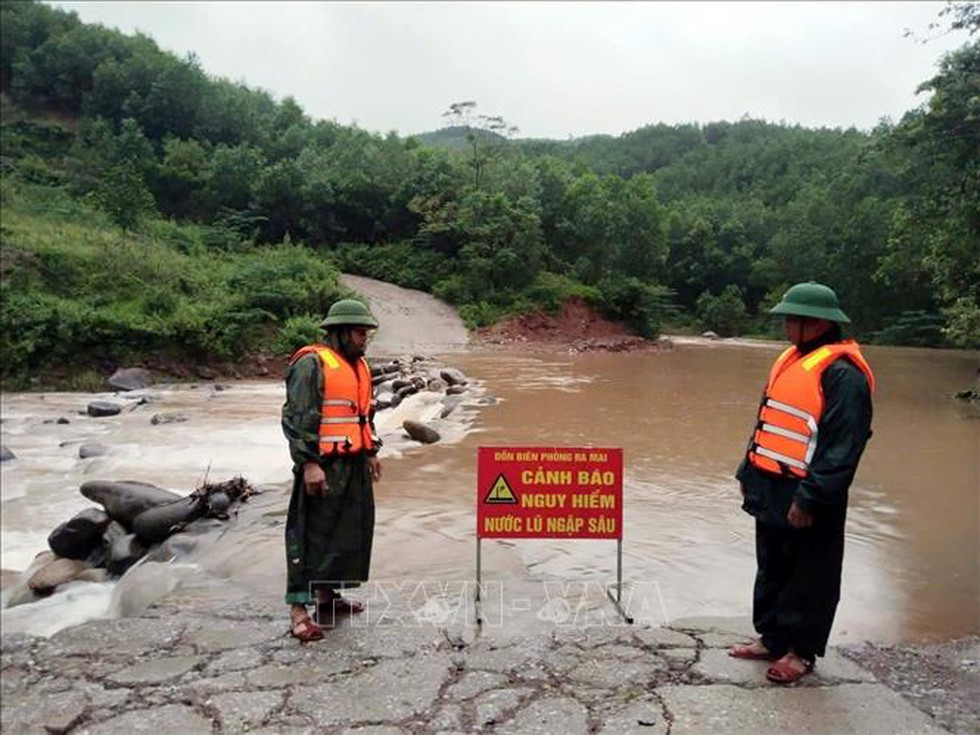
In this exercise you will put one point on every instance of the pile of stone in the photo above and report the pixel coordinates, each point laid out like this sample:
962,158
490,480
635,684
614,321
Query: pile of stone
135,520
395,379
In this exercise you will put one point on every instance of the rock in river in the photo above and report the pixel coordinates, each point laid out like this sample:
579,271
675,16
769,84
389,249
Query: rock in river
76,538
155,524
54,573
125,500
420,432
92,449
125,379
103,408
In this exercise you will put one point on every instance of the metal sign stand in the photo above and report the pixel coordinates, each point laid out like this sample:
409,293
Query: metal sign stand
479,586
618,599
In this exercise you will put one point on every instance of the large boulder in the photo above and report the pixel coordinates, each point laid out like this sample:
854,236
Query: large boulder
420,432
407,390
103,408
154,524
54,573
452,376
6,454
78,537
126,379
19,593
384,370
123,501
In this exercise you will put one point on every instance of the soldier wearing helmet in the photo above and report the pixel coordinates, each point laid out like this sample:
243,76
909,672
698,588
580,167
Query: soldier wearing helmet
812,426
328,421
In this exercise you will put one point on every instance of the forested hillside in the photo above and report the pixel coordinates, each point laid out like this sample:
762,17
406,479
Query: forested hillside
150,208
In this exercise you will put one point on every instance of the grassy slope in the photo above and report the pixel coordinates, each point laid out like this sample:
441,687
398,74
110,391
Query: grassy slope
78,291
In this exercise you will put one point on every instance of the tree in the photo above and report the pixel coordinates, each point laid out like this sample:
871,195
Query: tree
24,26
127,162
229,178
278,196
725,313
487,136
940,224
172,105
122,194
500,252
59,72
640,240
181,176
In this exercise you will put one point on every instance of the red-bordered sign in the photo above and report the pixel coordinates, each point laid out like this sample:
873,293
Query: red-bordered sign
549,492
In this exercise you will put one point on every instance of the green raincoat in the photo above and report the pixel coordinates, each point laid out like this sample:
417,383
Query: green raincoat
328,537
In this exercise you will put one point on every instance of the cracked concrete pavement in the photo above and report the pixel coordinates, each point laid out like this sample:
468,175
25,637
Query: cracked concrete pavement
186,666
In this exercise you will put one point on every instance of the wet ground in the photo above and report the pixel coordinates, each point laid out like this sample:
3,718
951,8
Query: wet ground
942,679
189,667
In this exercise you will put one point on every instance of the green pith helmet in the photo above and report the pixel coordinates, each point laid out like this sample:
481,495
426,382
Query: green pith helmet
349,312
811,299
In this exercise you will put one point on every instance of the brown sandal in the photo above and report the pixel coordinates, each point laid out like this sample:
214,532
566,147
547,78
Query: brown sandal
305,630
744,650
783,673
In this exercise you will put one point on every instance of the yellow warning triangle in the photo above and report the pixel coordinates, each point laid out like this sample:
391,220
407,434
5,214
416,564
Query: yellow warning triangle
500,492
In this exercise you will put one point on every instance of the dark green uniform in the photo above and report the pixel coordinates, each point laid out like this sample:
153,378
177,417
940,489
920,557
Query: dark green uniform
797,584
328,538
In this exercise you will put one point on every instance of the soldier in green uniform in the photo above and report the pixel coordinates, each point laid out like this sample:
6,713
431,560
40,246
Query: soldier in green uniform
328,421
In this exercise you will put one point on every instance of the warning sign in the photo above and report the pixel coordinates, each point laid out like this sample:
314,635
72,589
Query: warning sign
549,492
500,492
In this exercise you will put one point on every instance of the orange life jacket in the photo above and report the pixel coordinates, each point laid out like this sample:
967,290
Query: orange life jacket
346,410
785,436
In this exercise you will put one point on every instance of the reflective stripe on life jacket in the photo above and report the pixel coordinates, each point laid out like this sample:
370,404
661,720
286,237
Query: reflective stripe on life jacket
346,409
785,437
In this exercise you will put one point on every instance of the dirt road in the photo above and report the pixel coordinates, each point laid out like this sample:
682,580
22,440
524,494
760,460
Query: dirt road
411,322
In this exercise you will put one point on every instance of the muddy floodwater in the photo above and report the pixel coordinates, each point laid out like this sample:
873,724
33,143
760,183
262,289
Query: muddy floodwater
912,563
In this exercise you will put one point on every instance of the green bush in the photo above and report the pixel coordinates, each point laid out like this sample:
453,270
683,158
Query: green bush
641,306
35,170
402,263
963,326
480,314
549,291
122,194
297,332
725,313
918,328
285,280
452,290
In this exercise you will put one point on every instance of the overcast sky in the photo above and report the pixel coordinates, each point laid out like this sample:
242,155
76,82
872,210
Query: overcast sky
558,69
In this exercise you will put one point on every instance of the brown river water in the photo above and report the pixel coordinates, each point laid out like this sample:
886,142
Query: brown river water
912,563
